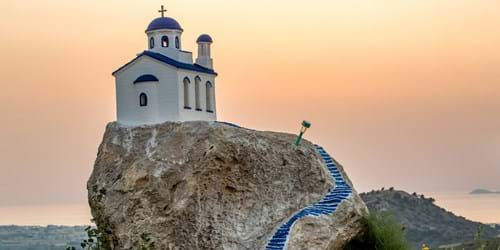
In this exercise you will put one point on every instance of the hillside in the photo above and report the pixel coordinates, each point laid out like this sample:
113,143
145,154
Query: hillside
489,244
425,222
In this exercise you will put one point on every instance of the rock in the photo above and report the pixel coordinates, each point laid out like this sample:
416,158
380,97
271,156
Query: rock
201,185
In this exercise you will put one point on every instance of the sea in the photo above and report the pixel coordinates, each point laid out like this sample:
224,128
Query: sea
483,208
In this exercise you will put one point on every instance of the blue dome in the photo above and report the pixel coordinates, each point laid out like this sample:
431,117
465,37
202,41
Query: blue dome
164,23
204,39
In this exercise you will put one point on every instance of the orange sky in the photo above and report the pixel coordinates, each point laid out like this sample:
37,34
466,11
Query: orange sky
403,93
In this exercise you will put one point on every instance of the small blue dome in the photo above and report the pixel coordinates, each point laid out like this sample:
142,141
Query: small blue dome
204,39
164,23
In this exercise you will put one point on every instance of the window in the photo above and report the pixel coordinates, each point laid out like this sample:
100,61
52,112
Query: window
197,102
186,93
151,43
143,100
208,92
164,41
146,78
177,42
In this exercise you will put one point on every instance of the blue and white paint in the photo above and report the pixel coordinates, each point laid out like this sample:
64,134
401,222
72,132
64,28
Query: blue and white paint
164,83
327,206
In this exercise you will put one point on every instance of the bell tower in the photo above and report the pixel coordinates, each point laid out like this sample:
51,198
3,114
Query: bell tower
204,54
164,35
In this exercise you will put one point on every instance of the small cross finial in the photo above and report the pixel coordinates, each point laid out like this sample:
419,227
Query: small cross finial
162,11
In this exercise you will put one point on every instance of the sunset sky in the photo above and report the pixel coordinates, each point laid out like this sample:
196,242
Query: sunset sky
402,93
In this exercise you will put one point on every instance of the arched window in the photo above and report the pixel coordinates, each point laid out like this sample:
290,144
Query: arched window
164,41
177,42
208,92
197,102
151,43
146,78
186,93
143,100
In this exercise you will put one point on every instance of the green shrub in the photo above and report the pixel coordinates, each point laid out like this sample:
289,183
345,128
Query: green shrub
95,240
381,232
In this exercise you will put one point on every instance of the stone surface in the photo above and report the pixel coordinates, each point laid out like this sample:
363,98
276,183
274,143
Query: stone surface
201,185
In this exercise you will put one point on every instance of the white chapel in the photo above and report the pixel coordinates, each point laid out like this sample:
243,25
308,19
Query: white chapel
163,83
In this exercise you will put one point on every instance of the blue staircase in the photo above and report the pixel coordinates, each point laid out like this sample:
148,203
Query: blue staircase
327,206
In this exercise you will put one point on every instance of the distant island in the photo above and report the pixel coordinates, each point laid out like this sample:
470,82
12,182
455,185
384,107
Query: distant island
483,191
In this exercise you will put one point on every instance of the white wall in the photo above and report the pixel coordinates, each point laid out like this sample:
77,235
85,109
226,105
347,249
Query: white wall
193,114
162,96
204,55
185,57
165,98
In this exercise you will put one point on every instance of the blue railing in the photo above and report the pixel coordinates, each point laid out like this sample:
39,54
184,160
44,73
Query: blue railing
327,206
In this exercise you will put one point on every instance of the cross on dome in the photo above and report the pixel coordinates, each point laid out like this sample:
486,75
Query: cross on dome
162,11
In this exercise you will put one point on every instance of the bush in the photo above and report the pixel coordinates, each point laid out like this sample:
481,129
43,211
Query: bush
95,241
382,232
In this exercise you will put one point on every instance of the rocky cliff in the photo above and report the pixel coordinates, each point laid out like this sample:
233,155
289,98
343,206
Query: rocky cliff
200,185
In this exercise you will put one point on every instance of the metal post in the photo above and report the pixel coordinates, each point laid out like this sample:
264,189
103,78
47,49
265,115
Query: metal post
305,126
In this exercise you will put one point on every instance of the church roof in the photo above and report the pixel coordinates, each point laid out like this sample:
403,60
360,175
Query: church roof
171,62
205,39
161,23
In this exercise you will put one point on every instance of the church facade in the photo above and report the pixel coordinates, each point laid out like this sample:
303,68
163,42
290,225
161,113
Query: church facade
164,83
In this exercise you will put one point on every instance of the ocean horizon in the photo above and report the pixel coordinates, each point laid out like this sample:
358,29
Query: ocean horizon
483,208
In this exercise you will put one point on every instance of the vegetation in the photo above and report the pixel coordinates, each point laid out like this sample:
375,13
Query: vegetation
479,243
144,243
489,244
95,240
382,232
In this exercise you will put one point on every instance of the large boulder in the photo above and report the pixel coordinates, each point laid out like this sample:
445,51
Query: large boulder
201,185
